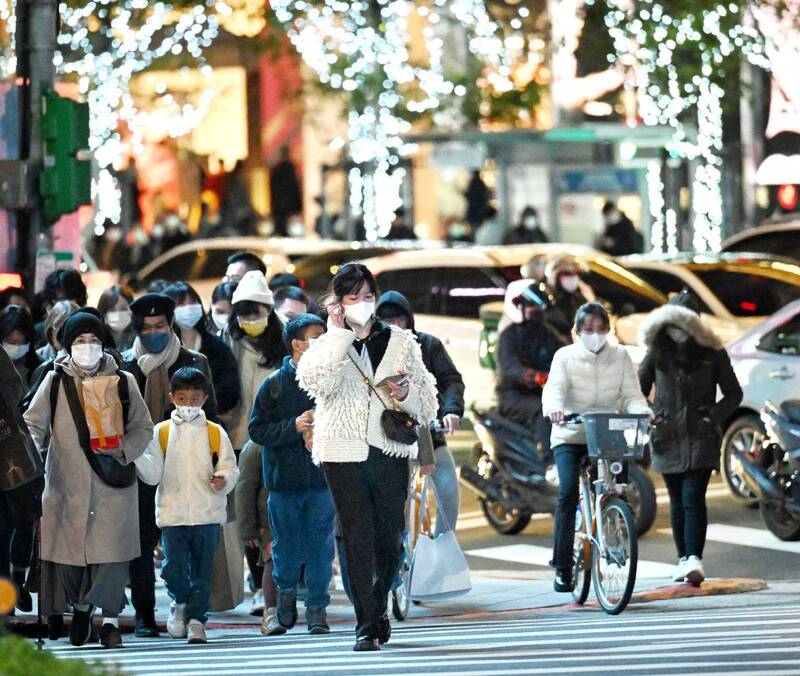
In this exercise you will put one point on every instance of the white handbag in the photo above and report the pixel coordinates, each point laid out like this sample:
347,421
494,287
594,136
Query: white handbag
439,569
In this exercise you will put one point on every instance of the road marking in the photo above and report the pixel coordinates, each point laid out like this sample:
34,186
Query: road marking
540,556
749,537
475,522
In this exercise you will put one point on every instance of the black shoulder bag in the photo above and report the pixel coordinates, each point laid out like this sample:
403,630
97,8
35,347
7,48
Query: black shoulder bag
111,472
397,425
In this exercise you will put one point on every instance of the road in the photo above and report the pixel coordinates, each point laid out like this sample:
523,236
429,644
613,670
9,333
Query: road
731,640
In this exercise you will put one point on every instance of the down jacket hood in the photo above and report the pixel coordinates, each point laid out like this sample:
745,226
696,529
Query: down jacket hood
674,315
398,299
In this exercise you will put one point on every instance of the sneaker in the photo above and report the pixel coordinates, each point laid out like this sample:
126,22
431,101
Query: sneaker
176,625
269,623
24,600
694,571
317,621
680,570
366,644
145,626
384,629
196,632
257,606
110,637
80,631
563,581
287,607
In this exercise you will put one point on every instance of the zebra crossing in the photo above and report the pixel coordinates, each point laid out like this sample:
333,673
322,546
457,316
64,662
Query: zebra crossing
744,640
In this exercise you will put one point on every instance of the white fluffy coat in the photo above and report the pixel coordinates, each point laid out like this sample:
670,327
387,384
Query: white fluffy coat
347,419
581,381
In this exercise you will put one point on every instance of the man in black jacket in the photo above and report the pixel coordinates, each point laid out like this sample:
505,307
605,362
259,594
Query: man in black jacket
156,354
301,510
394,308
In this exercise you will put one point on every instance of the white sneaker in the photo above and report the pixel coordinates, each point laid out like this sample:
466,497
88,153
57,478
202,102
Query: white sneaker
680,570
257,606
196,632
694,571
176,625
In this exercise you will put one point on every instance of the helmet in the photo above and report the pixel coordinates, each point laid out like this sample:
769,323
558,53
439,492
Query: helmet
536,295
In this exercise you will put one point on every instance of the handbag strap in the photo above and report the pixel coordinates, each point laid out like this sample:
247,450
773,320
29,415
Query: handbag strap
428,480
368,382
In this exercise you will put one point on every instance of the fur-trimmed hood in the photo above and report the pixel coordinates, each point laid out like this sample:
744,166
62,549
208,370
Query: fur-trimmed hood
674,315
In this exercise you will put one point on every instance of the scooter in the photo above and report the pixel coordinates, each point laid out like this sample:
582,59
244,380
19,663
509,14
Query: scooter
513,483
771,469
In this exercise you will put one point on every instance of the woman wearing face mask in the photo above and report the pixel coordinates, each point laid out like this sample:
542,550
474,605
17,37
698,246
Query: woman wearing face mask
367,471
89,528
254,334
589,375
562,275
194,334
686,364
115,308
18,338
528,230
220,312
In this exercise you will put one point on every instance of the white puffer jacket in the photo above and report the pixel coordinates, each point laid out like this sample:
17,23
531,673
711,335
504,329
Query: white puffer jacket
347,418
581,381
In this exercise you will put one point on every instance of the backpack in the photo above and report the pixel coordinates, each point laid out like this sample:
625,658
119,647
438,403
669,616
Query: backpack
214,439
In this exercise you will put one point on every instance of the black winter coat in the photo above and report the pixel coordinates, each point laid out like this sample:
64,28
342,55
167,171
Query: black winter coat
224,371
689,418
287,465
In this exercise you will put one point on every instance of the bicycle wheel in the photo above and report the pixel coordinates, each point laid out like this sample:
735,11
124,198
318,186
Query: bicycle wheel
614,568
581,569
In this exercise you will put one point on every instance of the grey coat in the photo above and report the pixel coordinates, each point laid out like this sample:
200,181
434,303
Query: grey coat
85,521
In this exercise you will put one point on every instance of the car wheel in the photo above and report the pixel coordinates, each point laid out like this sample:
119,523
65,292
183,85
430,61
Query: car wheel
739,437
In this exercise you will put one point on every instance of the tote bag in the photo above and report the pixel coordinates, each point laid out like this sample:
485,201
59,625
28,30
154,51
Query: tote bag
439,570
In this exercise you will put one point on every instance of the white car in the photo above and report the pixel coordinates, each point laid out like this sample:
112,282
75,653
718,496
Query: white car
767,362
448,287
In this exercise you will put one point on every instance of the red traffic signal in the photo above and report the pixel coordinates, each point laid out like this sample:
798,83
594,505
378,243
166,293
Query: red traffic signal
787,196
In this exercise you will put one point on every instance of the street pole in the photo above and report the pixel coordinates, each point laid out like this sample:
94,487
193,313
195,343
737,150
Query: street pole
37,23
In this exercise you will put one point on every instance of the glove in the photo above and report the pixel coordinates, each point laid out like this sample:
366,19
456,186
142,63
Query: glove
535,378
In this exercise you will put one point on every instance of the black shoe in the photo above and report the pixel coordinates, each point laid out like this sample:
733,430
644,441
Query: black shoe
366,644
24,600
146,626
317,621
110,637
80,631
56,628
384,629
563,581
287,608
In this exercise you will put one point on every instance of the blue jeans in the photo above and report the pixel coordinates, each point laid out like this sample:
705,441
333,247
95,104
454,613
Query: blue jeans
188,565
568,463
302,533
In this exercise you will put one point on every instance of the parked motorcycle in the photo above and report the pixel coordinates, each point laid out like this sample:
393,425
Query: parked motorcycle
771,469
512,483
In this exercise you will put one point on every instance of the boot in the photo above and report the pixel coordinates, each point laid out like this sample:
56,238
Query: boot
287,607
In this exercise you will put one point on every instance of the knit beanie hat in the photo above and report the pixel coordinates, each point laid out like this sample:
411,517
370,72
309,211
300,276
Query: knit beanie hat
80,323
253,287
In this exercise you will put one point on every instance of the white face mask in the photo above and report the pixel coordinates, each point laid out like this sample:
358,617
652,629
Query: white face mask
569,283
118,320
593,342
189,413
87,355
678,335
16,352
187,316
220,319
360,313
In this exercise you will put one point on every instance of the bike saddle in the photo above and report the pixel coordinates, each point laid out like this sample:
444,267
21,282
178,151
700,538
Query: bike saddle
791,410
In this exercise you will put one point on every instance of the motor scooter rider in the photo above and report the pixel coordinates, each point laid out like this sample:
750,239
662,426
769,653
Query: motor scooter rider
525,351
563,277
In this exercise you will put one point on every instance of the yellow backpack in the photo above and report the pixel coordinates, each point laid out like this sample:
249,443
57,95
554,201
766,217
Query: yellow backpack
214,436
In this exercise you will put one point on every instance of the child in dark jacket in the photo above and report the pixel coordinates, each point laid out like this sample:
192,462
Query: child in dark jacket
301,510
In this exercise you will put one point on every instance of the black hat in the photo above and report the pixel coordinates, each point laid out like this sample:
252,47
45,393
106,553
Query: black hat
78,324
153,305
686,299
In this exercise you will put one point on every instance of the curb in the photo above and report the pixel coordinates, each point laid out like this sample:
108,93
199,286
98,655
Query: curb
736,585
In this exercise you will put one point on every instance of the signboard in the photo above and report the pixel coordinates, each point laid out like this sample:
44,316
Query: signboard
602,180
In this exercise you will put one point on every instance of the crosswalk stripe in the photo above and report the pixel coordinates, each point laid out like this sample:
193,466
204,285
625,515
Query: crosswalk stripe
540,556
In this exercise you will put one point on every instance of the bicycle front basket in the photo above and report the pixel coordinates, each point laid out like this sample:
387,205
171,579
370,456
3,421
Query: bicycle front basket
614,436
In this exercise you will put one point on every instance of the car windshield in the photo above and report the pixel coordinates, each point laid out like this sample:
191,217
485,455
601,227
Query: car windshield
745,294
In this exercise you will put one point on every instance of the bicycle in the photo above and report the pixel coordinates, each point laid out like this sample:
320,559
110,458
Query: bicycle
608,554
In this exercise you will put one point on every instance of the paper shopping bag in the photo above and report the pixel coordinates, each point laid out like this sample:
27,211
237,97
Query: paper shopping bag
103,410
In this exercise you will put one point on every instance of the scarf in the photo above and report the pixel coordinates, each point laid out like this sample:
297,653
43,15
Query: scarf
155,367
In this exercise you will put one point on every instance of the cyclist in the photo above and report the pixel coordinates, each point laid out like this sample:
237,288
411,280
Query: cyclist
589,375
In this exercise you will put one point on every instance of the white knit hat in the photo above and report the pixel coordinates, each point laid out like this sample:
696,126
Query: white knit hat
253,287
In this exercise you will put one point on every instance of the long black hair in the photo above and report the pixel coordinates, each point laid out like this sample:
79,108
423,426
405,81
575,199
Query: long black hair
180,292
17,318
350,278
270,343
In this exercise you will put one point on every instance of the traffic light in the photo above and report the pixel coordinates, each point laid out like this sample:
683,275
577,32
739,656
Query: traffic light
788,197
66,179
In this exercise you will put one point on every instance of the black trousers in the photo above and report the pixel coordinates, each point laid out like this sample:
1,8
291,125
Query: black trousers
19,509
687,510
142,572
370,499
